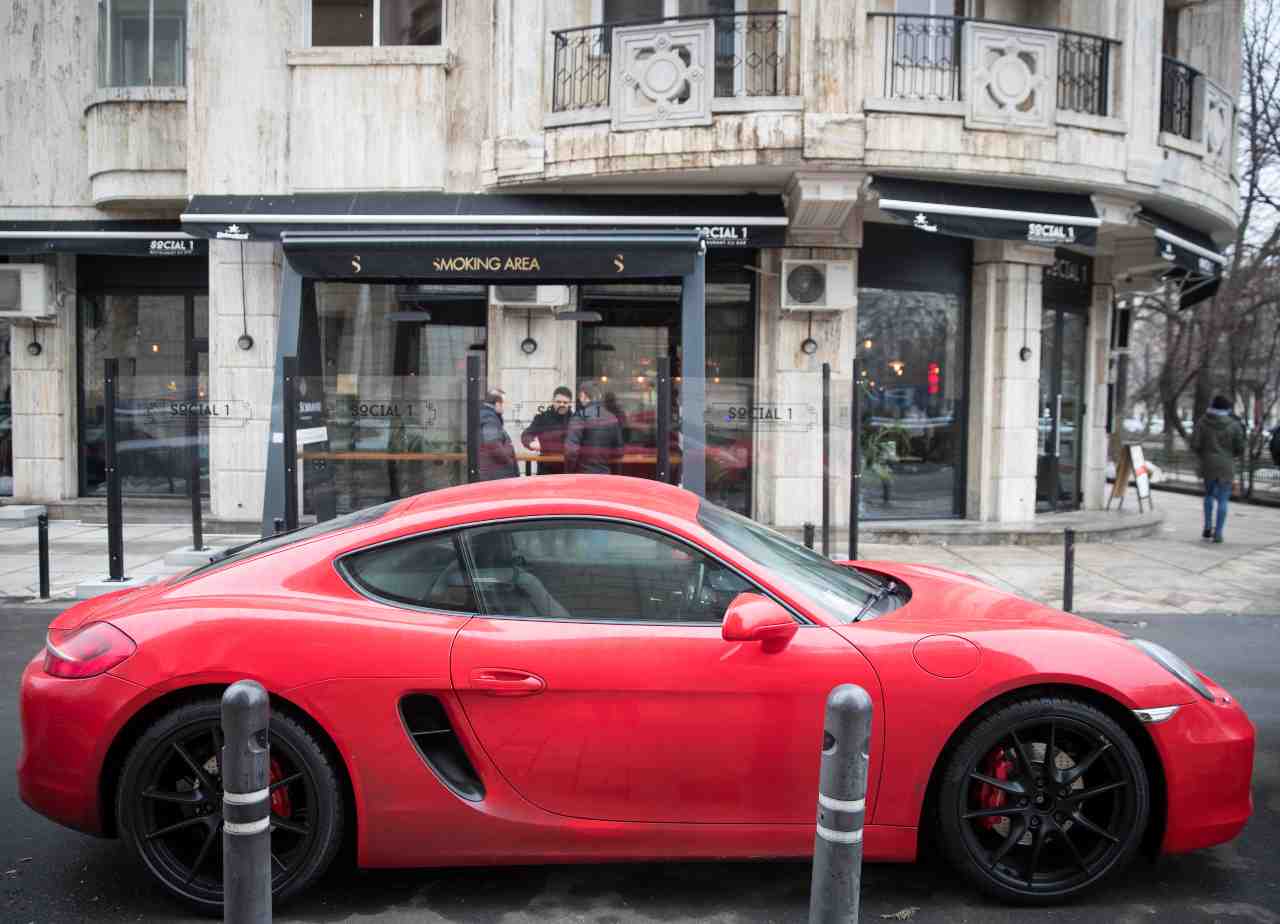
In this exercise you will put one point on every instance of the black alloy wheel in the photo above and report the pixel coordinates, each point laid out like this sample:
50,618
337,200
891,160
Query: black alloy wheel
169,805
1043,799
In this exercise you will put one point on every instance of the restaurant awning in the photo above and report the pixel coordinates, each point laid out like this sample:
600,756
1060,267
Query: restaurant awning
723,221
108,238
987,212
1191,256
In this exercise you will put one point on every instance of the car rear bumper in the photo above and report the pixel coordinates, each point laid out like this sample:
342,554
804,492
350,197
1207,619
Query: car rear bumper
1207,752
67,727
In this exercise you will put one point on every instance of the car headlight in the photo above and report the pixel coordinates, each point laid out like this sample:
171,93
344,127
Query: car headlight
1174,665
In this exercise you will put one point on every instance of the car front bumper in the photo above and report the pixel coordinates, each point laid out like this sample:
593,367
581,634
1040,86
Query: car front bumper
1207,752
67,728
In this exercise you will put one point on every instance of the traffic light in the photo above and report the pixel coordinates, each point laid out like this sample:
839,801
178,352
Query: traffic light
935,378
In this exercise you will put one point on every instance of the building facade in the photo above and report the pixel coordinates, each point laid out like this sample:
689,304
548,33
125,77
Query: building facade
938,199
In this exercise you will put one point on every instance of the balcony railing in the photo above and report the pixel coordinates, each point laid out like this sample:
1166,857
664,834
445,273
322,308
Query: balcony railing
1177,97
923,61
750,58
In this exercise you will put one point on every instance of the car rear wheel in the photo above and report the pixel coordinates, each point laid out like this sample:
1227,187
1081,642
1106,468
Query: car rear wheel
1043,799
169,805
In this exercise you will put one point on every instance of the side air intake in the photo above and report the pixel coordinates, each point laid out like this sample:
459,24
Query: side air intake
432,734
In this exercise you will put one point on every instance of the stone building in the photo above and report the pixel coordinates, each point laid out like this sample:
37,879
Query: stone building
949,193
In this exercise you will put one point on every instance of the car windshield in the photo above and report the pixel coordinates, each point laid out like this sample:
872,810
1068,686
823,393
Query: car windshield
841,590
280,540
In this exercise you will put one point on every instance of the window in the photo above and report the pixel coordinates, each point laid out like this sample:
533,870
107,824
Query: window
423,571
597,572
377,22
142,43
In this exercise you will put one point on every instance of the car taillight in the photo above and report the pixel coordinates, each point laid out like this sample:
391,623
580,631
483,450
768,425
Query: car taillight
86,651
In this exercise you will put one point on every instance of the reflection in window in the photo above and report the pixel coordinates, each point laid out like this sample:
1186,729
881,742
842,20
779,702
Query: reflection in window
913,402
377,22
424,571
142,43
390,367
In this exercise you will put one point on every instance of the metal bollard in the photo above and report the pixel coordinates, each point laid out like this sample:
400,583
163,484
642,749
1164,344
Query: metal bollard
246,805
42,554
1069,570
809,530
842,792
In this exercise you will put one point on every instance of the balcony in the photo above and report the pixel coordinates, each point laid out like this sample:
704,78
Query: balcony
996,74
137,146
671,72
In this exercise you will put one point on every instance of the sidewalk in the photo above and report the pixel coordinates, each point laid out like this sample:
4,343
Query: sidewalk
1172,571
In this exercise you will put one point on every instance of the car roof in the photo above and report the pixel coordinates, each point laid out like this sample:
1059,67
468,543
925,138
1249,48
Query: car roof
611,490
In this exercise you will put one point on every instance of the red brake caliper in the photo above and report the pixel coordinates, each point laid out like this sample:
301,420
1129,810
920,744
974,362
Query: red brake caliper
997,766
280,804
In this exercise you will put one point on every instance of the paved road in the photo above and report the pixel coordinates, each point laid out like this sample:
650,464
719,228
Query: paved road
49,874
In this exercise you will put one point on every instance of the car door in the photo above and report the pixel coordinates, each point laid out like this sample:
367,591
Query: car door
597,681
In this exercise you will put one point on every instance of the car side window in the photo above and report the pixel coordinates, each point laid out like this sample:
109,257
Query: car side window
593,571
423,571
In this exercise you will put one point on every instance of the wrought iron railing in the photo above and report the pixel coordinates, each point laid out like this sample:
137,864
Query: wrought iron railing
750,58
1177,92
923,61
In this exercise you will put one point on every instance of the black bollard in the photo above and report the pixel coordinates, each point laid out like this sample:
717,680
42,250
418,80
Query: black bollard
289,417
115,502
1069,570
826,458
808,535
42,554
246,805
842,792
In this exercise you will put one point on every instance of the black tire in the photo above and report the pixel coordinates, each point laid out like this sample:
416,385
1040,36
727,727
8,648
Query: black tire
161,789
1066,825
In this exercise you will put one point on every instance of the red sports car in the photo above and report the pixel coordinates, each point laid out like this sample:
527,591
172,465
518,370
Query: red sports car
586,668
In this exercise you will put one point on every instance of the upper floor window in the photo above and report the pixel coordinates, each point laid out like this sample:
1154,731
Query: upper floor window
377,22
142,43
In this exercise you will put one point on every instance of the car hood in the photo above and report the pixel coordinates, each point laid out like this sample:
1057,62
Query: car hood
949,601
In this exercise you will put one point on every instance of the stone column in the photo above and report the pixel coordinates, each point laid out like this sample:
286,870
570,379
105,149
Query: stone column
832,36
45,461
1141,32
1093,463
1003,387
786,457
241,378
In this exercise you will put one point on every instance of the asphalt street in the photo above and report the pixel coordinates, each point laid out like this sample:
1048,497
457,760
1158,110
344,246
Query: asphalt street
50,874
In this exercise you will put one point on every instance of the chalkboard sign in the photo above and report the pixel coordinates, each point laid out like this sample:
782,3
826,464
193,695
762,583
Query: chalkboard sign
1132,467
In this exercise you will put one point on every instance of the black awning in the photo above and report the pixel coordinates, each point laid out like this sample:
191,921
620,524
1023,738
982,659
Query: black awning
494,256
1005,214
109,238
724,221
1183,247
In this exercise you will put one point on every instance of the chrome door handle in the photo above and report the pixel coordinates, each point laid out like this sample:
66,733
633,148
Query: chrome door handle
1057,429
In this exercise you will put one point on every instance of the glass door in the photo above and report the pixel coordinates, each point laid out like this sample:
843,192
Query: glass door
1061,419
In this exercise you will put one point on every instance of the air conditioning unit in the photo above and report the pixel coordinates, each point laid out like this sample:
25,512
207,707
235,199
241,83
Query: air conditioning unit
531,296
817,285
26,292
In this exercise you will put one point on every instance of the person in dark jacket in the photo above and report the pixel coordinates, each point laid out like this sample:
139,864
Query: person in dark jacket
1275,446
547,431
1217,440
594,443
497,455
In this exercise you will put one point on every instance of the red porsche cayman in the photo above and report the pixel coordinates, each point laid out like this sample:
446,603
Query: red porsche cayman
587,668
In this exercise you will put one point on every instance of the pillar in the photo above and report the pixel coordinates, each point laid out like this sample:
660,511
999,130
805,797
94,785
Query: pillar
241,378
1093,466
1004,388
44,400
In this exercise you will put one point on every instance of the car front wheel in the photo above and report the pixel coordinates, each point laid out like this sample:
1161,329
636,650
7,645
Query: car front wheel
1043,799
169,804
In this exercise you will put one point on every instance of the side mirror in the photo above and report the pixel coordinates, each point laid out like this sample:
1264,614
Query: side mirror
755,618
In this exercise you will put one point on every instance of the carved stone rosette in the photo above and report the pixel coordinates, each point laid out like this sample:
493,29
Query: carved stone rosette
662,75
1011,78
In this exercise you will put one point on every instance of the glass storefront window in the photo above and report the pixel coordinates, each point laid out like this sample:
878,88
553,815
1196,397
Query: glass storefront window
6,412
142,43
384,369
163,363
911,347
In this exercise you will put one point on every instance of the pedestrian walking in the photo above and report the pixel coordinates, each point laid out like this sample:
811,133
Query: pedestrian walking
1275,446
1217,440
497,455
594,443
